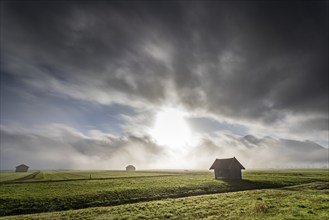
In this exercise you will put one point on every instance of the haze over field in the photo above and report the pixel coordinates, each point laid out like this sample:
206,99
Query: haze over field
165,84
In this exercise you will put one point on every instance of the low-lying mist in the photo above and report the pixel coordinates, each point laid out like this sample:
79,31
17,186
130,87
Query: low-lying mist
61,147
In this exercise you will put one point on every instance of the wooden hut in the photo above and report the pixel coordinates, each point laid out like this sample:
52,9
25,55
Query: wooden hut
22,168
130,168
227,169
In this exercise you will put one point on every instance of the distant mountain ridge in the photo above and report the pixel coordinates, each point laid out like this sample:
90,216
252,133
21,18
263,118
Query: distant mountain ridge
251,141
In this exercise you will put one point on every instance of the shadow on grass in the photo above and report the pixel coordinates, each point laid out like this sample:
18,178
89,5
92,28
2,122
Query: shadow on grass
250,184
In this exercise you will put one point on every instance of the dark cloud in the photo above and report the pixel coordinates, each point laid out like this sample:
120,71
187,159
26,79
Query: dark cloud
317,124
244,60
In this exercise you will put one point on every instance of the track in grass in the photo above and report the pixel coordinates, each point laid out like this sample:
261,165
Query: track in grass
53,175
10,176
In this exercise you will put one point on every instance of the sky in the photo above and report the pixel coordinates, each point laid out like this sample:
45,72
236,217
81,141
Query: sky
164,84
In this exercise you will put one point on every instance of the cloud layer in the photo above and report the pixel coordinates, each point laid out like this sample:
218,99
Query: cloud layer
245,66
246,61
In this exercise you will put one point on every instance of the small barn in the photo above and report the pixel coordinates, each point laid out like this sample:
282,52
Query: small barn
130,168
22,168
227,169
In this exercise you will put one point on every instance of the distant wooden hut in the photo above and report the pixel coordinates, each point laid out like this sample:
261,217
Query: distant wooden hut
227,169
22,168
130,168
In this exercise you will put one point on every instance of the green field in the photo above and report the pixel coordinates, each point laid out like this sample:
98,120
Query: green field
177,194
83,175
9,176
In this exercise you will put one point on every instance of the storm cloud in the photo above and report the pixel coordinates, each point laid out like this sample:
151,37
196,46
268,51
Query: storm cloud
256,67
241,59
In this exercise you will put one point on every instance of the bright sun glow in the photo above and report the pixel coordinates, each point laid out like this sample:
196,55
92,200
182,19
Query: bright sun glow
171,129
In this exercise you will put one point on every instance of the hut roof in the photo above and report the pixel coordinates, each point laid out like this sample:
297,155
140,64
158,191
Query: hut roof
22,165
227,163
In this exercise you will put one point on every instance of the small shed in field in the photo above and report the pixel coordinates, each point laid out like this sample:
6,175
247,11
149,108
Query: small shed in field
227,169
22,168
130,168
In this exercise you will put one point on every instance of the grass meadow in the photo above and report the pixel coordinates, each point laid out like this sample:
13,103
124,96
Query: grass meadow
10,176
271,194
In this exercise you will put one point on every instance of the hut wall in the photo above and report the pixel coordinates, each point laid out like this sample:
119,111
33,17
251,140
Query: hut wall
130,169
222,174
227,174
235,174
21,169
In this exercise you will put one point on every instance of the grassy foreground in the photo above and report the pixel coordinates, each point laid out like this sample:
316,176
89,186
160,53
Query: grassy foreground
61,193
307,201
